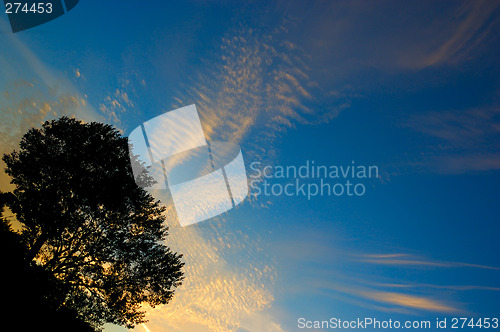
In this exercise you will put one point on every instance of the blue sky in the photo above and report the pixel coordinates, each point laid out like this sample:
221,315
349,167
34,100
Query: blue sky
410,87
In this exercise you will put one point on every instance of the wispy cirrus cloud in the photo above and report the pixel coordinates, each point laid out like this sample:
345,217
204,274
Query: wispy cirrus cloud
465,140
406,300
398,293
456,39
411,260
363,292
460,128
259,84
378,281
346,38
436,286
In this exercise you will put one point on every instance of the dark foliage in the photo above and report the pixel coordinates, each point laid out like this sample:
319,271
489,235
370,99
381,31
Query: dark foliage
30,294
95,235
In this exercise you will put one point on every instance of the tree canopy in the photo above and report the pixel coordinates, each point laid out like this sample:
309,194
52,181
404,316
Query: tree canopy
86,222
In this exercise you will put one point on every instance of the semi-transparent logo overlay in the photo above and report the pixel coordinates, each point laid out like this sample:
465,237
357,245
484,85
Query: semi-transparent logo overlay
204,179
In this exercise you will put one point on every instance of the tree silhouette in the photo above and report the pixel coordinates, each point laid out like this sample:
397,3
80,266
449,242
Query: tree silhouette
30,292
87,223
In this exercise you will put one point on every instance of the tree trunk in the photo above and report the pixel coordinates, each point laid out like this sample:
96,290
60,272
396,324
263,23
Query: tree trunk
35,249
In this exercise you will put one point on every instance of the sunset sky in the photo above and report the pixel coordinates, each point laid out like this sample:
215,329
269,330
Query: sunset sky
410,87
